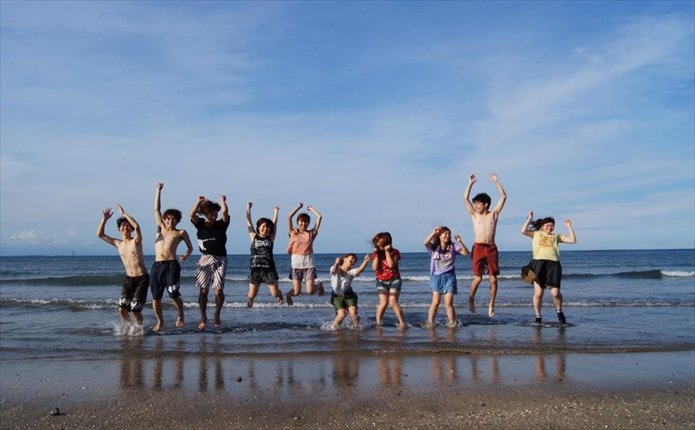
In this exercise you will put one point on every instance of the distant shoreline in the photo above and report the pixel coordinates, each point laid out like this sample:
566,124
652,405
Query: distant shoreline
574,250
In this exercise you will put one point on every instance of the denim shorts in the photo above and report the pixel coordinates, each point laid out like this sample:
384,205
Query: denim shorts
444,283
386,286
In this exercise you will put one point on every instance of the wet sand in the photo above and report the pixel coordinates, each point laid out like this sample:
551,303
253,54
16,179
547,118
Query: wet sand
558,391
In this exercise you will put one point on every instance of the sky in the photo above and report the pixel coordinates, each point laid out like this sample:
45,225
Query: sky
375,113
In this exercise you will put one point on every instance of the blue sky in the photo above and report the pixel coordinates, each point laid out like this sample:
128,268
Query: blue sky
376,113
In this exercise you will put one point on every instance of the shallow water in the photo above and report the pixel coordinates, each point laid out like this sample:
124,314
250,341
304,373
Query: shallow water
615,301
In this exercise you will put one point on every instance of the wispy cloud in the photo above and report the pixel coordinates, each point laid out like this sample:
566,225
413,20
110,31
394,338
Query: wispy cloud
337,105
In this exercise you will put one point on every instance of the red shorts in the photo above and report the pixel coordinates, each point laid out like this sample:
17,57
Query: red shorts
485,255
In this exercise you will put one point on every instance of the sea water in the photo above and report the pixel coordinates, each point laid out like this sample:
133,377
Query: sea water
614,301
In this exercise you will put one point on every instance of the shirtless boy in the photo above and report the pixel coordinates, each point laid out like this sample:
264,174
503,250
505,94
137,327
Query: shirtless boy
134,291
484,252
166,270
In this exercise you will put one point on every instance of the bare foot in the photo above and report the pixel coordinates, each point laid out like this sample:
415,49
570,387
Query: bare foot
179,322
202,325
289,300
490,311
217,322
279,298
249,302
321,290
471,305
158,327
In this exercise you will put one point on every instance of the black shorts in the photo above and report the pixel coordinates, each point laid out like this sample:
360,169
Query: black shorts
134,293
165,275
548,272
263,275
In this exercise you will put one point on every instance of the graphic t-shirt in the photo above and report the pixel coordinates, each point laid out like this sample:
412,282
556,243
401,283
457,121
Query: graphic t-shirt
212,239
443,261
545,246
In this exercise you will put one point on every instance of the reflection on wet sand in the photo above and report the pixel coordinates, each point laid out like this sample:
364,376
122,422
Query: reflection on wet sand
209,369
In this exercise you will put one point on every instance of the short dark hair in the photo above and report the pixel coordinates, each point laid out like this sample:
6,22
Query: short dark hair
172,212
304,217
121,220
207,206
483,198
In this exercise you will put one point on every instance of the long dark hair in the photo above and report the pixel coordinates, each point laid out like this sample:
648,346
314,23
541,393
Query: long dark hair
537,224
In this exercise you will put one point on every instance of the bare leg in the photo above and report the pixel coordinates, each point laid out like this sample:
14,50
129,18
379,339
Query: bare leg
253,292
354,316
450,311
275,292
537,298
393,302
157,308
123,313
474,288
340,316
219,301
178,303
381,308
203,304
138,317
432,314
295,291
493,295
557,298
309,286
319,288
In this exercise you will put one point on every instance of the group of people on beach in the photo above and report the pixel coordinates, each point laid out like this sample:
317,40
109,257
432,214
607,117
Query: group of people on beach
211,220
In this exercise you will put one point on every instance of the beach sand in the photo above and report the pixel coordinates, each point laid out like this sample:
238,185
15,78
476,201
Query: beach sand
553,391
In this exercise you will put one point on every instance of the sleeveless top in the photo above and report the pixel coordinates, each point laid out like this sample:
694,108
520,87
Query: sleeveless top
262,253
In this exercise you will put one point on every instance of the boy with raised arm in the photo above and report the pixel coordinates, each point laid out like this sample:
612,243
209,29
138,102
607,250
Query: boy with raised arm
212,265
134,291
166,270
484,252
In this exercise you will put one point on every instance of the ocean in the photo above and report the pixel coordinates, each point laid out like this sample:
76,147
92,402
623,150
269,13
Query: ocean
615,301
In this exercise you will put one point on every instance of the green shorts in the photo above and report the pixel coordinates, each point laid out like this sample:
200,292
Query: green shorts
349,300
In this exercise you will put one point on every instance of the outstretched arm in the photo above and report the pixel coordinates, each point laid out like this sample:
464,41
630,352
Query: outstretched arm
363,266
106,214
318,218
194,209
430,238
524,228
189,245
467,195
290,225
503,194
224,208
249,221
276,211
158,205
137,234
464,250
336,265
572,237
